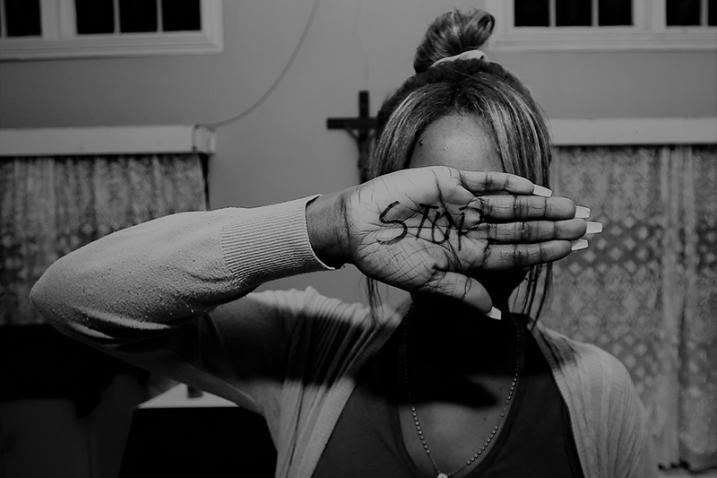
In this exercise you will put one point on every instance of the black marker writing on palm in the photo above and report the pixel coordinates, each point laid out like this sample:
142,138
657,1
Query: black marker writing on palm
436,224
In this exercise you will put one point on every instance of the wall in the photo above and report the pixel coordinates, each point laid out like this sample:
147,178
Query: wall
283,150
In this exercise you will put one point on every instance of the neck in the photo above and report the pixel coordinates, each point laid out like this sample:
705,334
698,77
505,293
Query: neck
454,338
451,353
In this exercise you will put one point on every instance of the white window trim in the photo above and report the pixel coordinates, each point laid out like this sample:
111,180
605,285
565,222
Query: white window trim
59,39
633,131
649,32
110,140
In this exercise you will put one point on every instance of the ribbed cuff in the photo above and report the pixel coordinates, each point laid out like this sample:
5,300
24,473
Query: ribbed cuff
270,242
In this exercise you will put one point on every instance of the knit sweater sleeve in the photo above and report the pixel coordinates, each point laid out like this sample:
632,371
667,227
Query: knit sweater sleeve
173,295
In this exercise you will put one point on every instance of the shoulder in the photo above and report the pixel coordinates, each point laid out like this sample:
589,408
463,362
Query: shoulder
291,303
609,420
584,362
311,303
300,314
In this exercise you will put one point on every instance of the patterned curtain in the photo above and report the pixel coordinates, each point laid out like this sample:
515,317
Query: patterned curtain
646,289
50,206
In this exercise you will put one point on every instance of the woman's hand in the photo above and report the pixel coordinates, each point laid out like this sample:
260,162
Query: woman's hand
429,229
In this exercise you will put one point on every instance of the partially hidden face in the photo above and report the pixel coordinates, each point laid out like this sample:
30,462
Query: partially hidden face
456,141
462,142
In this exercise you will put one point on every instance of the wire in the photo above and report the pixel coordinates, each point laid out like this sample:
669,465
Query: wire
278,79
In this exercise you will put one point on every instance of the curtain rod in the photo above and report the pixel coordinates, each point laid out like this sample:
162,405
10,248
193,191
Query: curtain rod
110,140
633,131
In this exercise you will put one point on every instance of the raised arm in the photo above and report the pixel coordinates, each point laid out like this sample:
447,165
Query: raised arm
163,294
158,274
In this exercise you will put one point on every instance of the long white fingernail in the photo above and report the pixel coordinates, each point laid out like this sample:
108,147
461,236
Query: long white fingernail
593,228
579,244
542,191
582,212
494,313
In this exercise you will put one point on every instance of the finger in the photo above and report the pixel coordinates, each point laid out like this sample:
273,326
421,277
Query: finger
494,181
504,207
531,231
463,288
508,256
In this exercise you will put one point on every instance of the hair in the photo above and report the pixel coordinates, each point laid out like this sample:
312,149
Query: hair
474,87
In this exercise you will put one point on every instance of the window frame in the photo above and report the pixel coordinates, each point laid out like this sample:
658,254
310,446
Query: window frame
648,32
60,40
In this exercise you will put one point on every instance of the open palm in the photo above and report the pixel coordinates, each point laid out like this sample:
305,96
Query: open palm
428,229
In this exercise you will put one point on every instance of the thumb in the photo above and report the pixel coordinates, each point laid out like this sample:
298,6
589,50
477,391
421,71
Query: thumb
465,289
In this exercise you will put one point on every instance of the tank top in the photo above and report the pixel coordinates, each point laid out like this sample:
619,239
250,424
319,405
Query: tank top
536,439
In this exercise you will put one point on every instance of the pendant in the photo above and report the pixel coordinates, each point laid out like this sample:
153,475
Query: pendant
442,475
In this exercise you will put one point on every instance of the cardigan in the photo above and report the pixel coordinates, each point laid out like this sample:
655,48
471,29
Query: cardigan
174,295
535,437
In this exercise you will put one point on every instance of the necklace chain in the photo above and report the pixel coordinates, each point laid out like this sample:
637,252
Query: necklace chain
491,434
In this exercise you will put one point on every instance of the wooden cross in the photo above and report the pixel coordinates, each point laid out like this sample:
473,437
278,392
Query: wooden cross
360,128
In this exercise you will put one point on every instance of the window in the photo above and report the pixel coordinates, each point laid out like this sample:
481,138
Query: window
691,13
75,28
21,18
574,13
603,24
136,16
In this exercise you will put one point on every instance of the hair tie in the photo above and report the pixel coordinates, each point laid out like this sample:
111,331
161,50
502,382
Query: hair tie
466,55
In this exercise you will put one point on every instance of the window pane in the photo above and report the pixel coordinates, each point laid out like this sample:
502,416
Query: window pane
615,12
181,15
532,13
712,13
683,12
571,13
138,16
94,16
23,18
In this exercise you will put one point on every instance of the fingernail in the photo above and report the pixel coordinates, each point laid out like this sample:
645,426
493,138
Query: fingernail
593,228
579,244
582,212
542,191
494,313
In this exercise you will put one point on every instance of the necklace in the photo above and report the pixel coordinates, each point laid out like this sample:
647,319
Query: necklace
494,430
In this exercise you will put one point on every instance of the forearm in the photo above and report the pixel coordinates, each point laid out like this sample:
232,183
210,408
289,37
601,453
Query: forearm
158,274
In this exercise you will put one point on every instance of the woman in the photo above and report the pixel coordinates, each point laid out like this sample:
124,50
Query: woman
439,389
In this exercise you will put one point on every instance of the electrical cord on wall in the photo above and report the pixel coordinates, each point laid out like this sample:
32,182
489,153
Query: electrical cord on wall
276,82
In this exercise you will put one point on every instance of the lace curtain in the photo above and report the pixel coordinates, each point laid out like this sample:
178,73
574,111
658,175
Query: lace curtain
646,289
50,206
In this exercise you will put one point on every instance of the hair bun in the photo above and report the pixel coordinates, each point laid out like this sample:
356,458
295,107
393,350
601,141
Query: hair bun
451,34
